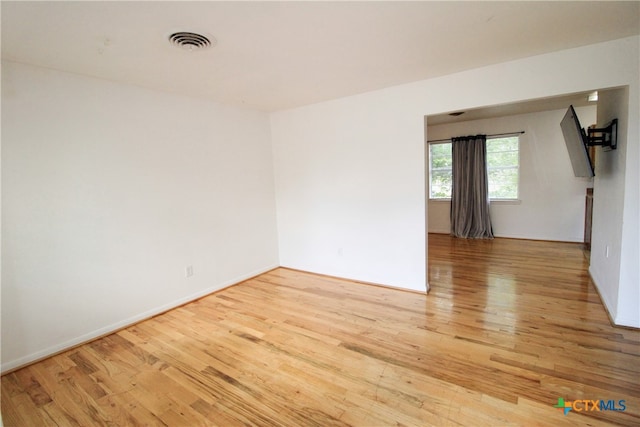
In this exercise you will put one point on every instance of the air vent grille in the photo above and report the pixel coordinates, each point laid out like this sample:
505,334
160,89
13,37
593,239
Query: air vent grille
191,41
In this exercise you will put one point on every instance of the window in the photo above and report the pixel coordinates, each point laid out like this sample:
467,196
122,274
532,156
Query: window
440,170
503,162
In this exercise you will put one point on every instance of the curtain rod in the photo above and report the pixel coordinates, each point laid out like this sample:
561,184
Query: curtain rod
488,136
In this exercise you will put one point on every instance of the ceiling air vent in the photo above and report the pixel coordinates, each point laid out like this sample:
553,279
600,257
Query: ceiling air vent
191,41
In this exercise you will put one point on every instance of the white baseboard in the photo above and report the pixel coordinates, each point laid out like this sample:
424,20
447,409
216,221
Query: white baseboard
611,308
627,322
436,231
570,239
114,327
563,239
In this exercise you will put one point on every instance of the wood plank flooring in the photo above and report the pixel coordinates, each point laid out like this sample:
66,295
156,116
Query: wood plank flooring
508,328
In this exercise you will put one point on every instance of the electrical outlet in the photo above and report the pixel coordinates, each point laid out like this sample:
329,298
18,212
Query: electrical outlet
188,271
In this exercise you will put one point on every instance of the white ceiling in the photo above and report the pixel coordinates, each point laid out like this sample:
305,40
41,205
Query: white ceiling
278,55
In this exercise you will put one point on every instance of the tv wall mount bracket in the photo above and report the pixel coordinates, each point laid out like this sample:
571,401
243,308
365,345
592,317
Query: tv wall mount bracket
607,136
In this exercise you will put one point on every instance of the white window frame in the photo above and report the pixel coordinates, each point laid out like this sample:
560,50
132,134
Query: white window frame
517,167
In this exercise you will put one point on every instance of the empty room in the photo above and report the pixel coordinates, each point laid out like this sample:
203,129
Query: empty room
320,213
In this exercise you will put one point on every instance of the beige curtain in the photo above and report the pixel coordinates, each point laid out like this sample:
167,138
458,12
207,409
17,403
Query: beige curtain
470,191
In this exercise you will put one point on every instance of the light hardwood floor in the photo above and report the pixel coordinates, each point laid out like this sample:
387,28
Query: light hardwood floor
508,328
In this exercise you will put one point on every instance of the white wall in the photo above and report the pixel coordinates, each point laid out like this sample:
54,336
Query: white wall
614,254
350,172
345,185
108,192
551,199
628,312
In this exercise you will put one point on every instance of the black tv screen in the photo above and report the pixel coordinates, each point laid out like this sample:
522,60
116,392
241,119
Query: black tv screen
576,140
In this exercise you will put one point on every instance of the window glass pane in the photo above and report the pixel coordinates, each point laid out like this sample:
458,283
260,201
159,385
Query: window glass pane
441,184
503,158
440,149
441,162
503,183
502,144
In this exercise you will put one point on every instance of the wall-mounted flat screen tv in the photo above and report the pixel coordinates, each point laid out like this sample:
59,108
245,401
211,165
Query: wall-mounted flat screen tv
576,140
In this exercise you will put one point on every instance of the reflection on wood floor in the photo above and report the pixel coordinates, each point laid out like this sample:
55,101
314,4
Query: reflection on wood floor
508,328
